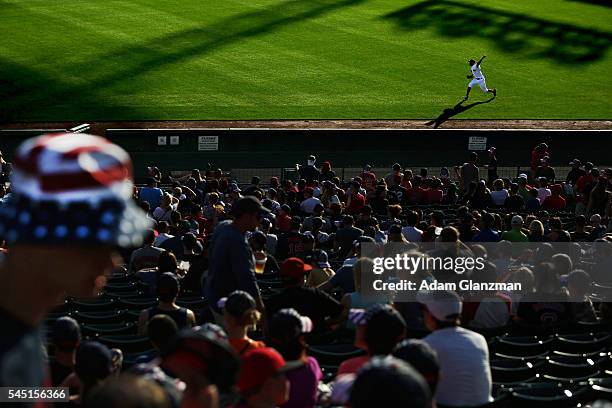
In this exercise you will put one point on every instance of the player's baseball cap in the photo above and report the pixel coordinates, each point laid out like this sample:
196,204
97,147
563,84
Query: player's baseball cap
72,189
294,268
444,305
259,365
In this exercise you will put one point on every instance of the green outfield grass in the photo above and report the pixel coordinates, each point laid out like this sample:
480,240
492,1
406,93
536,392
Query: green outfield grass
291,59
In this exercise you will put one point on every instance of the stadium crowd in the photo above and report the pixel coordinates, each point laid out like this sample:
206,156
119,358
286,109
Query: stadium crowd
279,265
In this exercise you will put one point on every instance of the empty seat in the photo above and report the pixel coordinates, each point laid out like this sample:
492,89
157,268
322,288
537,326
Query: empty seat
123,295
113,316
582,343
137,303
570,369
547,395
522,346
122,287
102,329
94,305
514,371
127,343
195,303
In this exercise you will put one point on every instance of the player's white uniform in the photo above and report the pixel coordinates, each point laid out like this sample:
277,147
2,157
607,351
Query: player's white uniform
478,79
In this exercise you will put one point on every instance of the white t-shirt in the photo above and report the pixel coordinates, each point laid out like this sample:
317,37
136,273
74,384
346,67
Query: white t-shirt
476,71
161,238
309,204
499,196
543,193
412,234
465,376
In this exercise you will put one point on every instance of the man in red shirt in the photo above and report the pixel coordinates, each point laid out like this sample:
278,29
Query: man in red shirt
369,178
581,184
356,201
435,193
554,201
537,154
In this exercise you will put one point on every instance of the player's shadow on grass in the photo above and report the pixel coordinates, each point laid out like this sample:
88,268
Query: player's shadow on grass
523,34
455,110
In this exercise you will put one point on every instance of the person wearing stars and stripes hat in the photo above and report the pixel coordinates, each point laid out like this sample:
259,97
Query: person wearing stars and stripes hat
69,209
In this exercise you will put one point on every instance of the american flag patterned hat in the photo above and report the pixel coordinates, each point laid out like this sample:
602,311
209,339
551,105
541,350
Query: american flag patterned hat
72,188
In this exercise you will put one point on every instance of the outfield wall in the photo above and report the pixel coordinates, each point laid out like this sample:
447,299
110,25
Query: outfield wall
351,148
243,148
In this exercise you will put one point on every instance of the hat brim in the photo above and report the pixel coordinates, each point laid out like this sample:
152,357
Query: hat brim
109,222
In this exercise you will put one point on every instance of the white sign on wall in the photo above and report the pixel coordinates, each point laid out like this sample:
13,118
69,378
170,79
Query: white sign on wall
208,143
162,140
477,143
174,140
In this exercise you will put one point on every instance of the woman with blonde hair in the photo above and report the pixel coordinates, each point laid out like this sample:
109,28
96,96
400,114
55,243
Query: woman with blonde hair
536,231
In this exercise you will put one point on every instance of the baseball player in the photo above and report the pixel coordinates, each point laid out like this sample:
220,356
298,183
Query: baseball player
477,78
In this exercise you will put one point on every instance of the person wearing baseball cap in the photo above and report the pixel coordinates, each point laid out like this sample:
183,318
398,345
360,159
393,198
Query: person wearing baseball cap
286,335
321,269
391,383
263,378
240,315
465,375
204,360
319,306
70,208
516,234
575,173
379,329
232,261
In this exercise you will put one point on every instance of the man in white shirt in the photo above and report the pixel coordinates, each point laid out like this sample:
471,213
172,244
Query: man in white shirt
307,206
543,191
411,232
477,78
162,228
465,376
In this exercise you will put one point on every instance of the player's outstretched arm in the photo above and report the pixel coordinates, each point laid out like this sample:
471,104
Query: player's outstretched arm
483,57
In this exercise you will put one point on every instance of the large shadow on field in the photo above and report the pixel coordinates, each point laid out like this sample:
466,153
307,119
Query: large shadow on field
455,110
606,3
525,35
26,94
155,54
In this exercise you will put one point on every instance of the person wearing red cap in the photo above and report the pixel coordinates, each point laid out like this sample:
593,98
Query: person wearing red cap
262,380
320,307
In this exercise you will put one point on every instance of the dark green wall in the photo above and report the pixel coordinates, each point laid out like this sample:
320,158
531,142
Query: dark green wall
244,148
